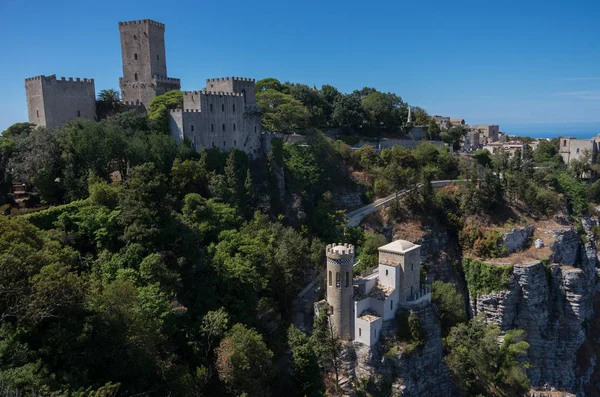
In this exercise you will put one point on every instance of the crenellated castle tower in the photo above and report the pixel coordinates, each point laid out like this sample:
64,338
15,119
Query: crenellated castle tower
340,260
144,62
52,102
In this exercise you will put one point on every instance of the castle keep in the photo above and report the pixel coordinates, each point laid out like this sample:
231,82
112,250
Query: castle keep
359,307
224,116
144,62
52,102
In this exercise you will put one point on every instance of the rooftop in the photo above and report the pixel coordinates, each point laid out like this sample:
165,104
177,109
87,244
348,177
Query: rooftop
400,246
380,292
369,316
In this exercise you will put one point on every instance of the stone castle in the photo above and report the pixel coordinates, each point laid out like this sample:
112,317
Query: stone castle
360,307
223,116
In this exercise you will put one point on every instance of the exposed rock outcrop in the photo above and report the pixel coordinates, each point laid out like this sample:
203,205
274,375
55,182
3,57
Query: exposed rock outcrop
421,373
516,239
552,304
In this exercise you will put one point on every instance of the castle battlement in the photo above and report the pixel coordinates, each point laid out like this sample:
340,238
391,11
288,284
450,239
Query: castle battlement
52,78
132,103
142,21
214,93
166,79
340,249
231,79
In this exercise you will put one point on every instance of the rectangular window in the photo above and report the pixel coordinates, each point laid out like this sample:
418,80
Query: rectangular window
234,107
234,127
347,279
211,108
337,280
359,332
212,128
330,279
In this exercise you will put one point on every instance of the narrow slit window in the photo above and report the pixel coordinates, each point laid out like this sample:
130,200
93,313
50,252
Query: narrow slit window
234,107
223,107
338,282
37,112
359,332
135,57
192,128
223,127
330,279
78,113
347,279
234,142
223,143
135,76
234,127
157,57
212,129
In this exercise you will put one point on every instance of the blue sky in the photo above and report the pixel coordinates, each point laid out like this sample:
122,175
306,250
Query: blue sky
528,65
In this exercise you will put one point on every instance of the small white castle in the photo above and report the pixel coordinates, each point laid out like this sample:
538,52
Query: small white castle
360,306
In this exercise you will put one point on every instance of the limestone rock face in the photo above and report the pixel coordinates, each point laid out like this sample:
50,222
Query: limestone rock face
552,305
517,238
421,373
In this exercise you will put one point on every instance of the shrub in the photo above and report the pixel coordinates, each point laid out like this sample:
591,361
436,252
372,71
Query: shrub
45,219
484,278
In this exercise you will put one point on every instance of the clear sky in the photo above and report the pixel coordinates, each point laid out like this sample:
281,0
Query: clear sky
528,65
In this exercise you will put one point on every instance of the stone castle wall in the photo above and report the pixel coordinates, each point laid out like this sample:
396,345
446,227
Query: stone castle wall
52,102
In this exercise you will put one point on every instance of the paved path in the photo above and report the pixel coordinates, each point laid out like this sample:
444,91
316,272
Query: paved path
356,216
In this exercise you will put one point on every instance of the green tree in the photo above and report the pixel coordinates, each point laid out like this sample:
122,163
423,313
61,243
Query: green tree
454,136
158,109
281,112
108,103
433,130
305,364
450,304
327,346
244,362
480,366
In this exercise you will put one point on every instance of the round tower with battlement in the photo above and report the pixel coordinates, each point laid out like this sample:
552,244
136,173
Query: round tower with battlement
340,260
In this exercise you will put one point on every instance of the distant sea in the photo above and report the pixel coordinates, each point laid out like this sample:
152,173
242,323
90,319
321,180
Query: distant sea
583,130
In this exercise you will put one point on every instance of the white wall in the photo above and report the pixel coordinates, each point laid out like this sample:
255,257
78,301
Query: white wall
390,305
389,279
367,332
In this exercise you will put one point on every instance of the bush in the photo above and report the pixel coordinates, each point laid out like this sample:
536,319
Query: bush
45,219
450,304
484,278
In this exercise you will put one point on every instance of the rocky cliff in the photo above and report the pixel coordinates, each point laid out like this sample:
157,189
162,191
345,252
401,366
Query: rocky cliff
385,371
552,301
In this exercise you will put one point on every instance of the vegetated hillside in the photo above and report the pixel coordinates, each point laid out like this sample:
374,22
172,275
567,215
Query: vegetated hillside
518,243
162,270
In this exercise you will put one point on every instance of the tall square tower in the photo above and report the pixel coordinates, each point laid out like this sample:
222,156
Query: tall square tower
144,62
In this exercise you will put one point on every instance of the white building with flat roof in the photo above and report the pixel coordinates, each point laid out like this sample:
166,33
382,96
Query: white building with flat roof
359,314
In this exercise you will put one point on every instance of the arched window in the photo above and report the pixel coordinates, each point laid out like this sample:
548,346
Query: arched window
330,279
192,127
338,282
135,76
347,279
135,56
234,127
386,272
223,107
223,127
